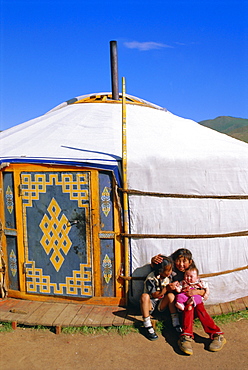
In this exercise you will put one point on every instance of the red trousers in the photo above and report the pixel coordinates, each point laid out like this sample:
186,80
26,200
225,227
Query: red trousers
207,322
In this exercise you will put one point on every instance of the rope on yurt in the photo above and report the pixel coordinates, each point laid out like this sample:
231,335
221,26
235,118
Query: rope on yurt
171,236
164,195
128,278
224,272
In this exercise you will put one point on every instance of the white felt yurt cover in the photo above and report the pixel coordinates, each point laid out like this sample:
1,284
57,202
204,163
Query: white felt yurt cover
165,154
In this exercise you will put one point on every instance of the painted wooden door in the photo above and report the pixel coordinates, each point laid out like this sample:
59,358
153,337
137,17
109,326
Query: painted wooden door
56,218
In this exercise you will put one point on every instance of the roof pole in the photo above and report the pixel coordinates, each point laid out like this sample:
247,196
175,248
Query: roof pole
124,179
114,70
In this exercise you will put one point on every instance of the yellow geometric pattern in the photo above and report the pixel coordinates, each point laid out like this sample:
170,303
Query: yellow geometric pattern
37,282
34,184
73,183
55,234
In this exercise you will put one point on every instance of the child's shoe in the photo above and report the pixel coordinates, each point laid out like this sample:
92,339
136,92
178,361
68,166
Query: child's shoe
217,343
185,344
150,333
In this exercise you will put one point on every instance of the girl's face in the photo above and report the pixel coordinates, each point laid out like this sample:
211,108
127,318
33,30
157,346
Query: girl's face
191,276
167,271
182,263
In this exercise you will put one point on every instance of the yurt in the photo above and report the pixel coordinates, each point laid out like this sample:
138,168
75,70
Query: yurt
71,230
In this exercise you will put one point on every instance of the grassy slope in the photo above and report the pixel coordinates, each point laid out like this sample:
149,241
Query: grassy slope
235,127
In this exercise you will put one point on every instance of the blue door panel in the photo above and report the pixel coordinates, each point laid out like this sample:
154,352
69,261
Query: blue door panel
57,228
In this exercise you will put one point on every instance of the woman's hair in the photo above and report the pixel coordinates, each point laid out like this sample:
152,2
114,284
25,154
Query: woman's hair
159,267
185,253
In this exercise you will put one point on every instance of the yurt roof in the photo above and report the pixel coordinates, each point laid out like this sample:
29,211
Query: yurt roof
87,130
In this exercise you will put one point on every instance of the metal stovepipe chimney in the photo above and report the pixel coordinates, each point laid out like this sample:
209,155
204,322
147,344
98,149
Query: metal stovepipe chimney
114,70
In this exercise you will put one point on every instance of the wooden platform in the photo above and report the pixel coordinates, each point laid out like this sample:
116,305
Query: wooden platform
58,315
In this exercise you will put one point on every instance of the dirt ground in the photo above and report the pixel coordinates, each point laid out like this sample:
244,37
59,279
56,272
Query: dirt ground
27,348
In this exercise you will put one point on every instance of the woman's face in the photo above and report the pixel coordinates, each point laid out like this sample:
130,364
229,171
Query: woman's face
182,263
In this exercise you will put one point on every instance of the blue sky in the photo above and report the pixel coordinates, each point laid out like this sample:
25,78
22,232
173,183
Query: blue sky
189,56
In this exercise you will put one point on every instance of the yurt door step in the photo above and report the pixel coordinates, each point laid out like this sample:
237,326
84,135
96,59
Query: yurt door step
60,239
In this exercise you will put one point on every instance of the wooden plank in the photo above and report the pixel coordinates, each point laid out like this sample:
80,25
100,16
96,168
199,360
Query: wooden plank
18,310
95,316
245,300
3,301
120,315
81,315
104,311
35,317
216,309
210,310
238,305
132,319
5,309
7,304
67,315
226,307
21,305
51,314
32,307
108,316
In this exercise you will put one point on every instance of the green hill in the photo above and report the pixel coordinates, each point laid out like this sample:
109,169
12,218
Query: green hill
235,127
240,133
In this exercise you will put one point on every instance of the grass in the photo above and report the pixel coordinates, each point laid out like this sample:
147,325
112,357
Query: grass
230,317
5,327
127,329
88,330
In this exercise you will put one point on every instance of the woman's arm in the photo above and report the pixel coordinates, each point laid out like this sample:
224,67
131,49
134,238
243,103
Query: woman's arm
203,292
192,292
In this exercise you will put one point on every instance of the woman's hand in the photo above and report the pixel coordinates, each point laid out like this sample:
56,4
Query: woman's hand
157,259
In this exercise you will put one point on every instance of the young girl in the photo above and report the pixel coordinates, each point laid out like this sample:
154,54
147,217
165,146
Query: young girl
182,261
157,294
191,281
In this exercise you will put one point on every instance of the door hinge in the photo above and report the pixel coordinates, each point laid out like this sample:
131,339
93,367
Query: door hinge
24,268
20,190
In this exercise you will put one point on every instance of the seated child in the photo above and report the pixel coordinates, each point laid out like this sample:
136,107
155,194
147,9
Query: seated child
157,294
191,281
